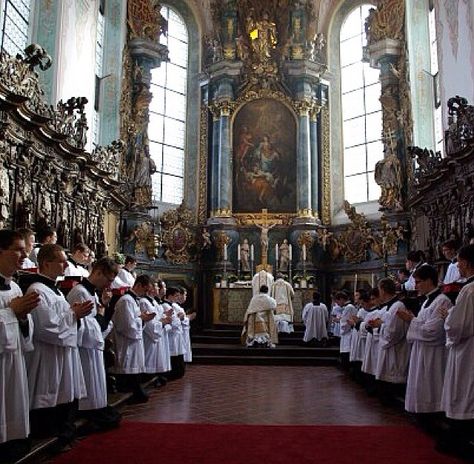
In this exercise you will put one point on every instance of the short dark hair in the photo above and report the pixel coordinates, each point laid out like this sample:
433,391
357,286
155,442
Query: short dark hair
388,285
144,280
416,256
450,244
427,272
362,293
130,259
182,290
374,292
7,237
316,298
342,295
404,270
106,265
44,233
48,253
82,247
467,253
263,289
159,282
25,232
172,291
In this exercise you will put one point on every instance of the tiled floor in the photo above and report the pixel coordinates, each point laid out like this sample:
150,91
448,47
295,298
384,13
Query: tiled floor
264,395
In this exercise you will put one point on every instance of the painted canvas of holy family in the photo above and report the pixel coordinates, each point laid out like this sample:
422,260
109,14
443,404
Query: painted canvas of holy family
264,153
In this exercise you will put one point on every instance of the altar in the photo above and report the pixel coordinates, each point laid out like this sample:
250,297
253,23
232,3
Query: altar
229,304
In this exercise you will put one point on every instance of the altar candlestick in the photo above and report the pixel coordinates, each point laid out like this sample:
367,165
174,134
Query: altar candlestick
290,252
225,251
304,252
251,252
355,284
238,252
372,280
276,253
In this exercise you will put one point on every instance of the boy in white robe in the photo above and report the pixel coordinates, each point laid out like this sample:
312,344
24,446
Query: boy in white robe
155,335
348,311
186,322
369,358
77,262
393,349
46,236
449,251
16,330
428,352
283,294
128,322
126,275
315,318
91,341
29,237
458,389
54,368
175,335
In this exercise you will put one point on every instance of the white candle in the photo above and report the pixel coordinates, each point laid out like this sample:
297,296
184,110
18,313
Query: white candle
355,283
251,252
276,253
372,280
304,252
290,252
238,252
225,251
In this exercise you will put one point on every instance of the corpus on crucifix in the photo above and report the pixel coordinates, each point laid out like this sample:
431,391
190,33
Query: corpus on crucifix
264,225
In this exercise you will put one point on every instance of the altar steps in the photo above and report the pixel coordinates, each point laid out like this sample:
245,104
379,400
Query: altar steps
222,346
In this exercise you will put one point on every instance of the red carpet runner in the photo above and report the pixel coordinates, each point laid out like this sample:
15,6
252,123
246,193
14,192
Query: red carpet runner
143,443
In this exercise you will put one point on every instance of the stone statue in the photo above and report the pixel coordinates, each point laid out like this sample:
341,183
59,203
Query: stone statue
263,36
284,255
206,239
242,48
245,256
388,176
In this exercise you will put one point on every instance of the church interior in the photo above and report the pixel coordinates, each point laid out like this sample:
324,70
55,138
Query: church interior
217,141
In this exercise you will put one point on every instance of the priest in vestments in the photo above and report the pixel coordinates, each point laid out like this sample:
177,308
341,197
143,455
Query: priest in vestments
262,277
283,293
259,323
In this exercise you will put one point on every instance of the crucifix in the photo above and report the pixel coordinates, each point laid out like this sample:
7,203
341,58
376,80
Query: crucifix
263,224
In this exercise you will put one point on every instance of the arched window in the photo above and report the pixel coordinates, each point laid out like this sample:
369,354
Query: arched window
434,71
14,17
167,127
361,111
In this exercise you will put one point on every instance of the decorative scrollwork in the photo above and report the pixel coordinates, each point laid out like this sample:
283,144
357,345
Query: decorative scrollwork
178,235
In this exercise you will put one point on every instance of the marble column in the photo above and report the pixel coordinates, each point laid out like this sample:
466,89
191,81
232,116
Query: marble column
313,140
303,161
214,162
224,193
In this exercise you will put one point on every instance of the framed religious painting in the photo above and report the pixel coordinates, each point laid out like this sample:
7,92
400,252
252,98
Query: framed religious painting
264,155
